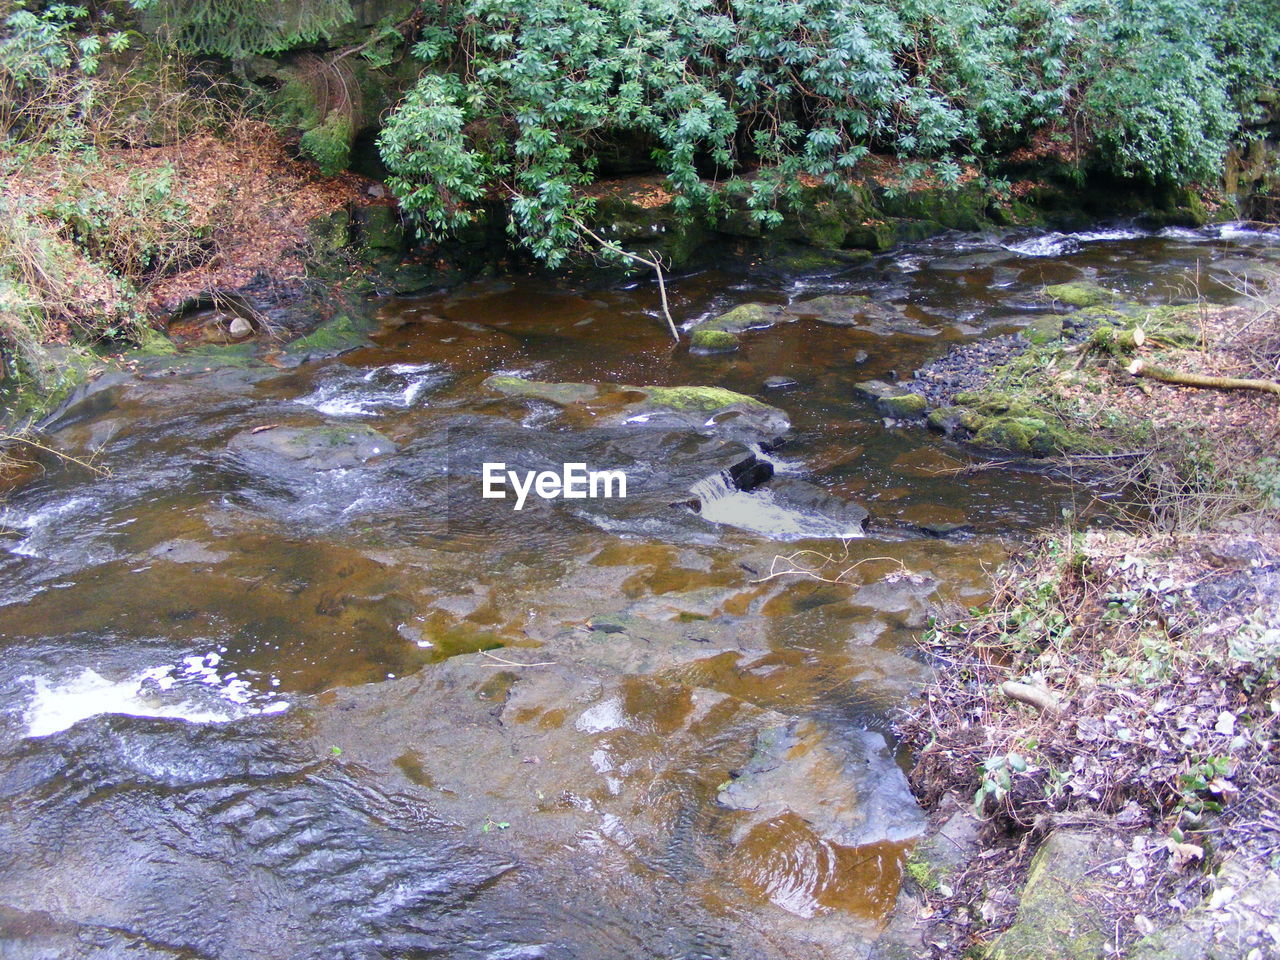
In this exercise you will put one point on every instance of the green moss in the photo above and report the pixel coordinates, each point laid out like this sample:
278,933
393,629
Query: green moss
698,398
945,418
336,336
717,341
1080,294
1044,329
746,316
562,394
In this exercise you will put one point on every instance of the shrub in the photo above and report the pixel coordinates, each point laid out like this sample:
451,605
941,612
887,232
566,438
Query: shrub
521,95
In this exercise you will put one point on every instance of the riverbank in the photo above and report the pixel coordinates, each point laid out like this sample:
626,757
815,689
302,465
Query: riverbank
1099,743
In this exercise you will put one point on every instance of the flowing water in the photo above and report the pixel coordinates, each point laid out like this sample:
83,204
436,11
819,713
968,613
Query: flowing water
278,682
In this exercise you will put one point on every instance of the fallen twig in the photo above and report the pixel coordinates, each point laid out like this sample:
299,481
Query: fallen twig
1140,369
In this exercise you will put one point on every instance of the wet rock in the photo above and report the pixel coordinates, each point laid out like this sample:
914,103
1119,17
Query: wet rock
942,529
847,789
1058,915
188,551
909,596
815,500
318,448
748,316
892,399
561,394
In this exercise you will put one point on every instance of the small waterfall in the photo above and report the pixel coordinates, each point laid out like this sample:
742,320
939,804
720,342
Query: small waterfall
715,487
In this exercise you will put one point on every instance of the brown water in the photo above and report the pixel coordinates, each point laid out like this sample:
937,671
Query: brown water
346,708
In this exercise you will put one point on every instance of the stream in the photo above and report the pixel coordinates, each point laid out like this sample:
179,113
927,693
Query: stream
279,682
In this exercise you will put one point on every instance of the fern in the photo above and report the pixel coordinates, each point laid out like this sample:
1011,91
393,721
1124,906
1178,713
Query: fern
243,28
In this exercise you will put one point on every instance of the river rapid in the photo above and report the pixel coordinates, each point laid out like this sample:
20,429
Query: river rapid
278,682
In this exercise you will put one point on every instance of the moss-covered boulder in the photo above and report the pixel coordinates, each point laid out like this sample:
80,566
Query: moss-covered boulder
1081,293
561,394
697,408
1026,436
1058,915
713,341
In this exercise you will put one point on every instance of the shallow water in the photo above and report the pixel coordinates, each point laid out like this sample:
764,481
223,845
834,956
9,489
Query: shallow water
257,705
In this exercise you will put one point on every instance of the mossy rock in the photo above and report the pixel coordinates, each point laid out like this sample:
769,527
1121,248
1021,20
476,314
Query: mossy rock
956,208
1059,916
713,341
905,406
892,399
747,316
946,419
1081,293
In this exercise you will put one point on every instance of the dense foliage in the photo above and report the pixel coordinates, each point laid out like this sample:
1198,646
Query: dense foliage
519,95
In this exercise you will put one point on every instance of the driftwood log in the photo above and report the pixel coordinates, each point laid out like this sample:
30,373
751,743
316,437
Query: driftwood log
1032,696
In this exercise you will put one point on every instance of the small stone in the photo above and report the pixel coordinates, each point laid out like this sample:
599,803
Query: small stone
780,383
861,357
240,328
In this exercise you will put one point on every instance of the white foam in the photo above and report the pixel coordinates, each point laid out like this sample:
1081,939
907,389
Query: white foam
758,512
397,386
37,523
607,715
55,706
1057,244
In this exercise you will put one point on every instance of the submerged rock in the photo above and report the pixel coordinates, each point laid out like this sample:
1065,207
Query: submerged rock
837,310
320,448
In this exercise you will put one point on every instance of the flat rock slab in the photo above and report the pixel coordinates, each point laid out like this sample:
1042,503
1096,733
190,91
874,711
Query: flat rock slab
1059,916
1240,919
700,409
